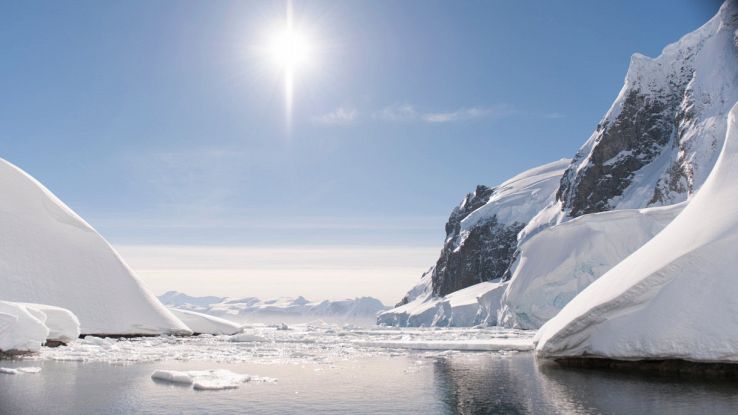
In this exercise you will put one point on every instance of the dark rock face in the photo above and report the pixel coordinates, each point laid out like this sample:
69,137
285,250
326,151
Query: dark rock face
645,126
483,254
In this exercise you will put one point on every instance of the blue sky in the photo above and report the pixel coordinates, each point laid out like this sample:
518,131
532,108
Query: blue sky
159,123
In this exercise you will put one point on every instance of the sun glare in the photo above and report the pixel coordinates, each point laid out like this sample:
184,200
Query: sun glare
290,50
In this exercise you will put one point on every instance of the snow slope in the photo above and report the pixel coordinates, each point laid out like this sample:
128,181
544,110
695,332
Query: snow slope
677,296
559,262
49,255
206,324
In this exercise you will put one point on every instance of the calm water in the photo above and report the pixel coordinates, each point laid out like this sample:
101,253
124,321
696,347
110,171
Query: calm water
469,383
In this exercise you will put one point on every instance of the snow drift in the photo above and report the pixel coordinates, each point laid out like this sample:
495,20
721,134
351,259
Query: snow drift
677,296
205,324
63,325
558,263
49,255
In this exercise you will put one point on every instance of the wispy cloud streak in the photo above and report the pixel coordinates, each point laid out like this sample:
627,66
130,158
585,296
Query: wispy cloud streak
408,112
340,116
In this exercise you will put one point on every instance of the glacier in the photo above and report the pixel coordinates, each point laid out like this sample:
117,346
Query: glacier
559,262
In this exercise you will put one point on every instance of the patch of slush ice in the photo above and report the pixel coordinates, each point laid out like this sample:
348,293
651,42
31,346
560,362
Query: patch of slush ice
302,344
19,370
518,344
246,338
217,379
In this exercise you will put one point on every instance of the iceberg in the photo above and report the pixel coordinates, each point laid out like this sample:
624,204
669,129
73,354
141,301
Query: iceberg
674,298
52,256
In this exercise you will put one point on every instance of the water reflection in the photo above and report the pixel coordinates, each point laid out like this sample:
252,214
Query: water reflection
491,385
587,391
469,384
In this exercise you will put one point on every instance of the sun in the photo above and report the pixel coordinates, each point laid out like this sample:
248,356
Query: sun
291,51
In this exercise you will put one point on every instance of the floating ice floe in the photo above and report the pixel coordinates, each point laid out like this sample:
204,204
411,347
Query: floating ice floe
217,379
246,338
19,370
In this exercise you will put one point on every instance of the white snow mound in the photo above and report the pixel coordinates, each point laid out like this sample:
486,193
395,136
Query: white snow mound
63,325
20,330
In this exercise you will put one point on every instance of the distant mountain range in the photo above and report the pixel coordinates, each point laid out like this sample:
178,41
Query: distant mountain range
283,308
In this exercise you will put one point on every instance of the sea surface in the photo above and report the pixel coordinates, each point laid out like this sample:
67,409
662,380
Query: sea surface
329,370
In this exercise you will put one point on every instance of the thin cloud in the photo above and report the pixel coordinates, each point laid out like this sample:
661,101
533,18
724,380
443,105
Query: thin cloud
397,112
340,116
472,113
407,112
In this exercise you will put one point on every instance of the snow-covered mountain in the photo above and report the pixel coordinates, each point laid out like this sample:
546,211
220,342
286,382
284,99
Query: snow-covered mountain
651,152
481,242
49,255
284,308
